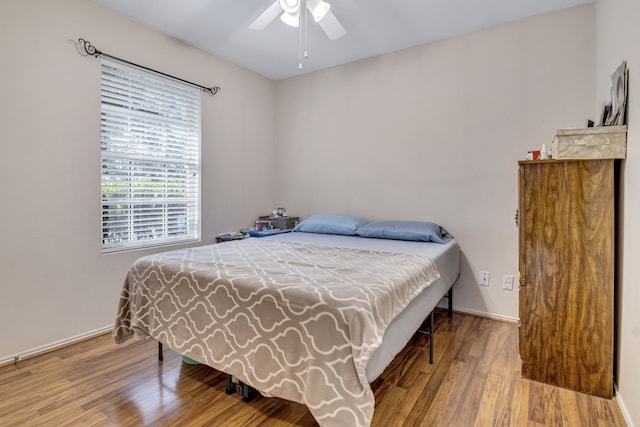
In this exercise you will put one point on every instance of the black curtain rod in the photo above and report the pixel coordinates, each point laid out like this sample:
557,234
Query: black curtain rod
86,48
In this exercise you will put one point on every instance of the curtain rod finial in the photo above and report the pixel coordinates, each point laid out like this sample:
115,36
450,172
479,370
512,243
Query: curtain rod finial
85,48
211,90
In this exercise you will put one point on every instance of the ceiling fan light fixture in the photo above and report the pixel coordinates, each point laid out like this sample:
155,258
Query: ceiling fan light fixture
291,19
290,6
318,9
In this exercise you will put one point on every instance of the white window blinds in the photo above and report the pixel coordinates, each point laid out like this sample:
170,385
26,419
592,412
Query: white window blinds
150,145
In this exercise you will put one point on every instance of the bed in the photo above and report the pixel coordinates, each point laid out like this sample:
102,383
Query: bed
306,316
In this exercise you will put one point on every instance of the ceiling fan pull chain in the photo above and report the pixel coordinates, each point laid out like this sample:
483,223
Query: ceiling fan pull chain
299,42
306,55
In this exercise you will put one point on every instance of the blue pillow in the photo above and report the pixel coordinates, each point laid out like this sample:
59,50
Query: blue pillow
418,231
331,224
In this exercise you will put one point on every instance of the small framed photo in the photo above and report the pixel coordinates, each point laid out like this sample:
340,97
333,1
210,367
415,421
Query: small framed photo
605,117
618,96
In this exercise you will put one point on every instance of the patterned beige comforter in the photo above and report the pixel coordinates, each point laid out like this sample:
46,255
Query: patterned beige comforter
292,320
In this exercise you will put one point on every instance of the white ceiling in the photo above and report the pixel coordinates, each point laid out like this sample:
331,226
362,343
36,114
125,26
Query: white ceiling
373,27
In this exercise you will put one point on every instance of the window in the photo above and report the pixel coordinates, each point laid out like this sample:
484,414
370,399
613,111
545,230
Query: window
150,145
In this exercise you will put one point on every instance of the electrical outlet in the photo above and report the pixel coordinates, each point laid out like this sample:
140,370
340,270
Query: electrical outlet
484,278
507,282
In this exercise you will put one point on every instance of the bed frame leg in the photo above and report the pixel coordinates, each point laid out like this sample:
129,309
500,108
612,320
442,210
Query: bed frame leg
229,388
160,355
235,386
247,393
450,302
429,333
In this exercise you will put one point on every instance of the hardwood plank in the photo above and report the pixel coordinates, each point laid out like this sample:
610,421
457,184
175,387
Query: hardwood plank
518,404
475,381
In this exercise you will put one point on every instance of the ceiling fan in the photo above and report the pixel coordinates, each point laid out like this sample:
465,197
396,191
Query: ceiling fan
289,12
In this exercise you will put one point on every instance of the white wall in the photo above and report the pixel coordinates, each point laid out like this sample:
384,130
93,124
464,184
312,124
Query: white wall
617,39
434,133
54,282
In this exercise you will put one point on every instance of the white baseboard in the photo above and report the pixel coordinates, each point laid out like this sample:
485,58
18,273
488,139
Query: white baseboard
498,317
91,334
7,361
623,408
54,346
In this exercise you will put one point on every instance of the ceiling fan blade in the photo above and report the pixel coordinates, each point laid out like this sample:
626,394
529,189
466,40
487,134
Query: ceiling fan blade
267,16
331,26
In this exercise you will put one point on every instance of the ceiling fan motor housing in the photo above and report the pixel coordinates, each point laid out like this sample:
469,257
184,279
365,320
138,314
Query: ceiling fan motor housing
290,6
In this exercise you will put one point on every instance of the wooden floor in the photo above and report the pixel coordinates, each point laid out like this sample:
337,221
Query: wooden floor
475,381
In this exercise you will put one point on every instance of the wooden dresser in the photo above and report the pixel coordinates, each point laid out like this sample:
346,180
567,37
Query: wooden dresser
567,240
